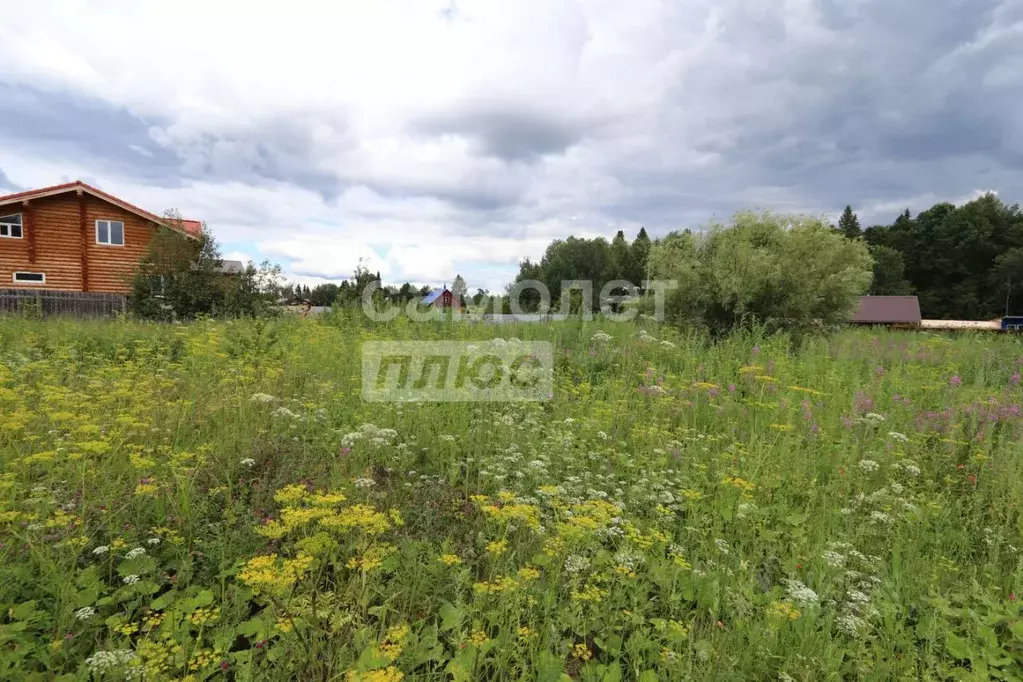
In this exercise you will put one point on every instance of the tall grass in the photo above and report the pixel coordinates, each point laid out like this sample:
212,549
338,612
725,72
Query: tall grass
215,500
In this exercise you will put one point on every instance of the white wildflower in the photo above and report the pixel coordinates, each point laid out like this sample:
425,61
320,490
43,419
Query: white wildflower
801,594
101,550
722,545
262,398
901,437
364,483
576,564
880,517
834,559
85,613
153,542
137,552
869,465
667,344
248,462
131,579
851,624
602,337
112,661
285,412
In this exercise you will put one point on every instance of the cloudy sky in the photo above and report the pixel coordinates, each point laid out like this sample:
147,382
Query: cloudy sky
458,136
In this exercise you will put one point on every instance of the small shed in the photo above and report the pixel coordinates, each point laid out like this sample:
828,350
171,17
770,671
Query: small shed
890,310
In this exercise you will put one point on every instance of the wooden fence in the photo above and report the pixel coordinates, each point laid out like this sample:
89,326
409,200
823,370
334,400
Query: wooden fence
51,302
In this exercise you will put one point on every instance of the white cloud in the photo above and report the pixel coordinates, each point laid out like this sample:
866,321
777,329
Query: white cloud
435,138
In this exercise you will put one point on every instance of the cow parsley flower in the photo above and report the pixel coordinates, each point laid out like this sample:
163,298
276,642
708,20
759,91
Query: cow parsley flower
137,552
118,660
869,465
576,563
834,559
801,594
101,550
851,624
248,462
85,613
131,579
262,398
880,517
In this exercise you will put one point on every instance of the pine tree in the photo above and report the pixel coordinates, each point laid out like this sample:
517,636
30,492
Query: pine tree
849,224
640,255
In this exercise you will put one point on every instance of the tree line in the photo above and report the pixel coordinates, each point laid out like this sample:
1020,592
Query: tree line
592,260
962,262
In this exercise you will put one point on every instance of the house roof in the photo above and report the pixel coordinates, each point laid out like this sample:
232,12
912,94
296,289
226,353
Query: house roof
433,296
187,227
888,310
232,267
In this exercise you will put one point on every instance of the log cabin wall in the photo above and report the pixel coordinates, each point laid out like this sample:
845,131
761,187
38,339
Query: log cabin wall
59,240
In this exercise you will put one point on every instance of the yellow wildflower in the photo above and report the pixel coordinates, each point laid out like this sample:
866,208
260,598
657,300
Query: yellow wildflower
388,674
497,547
783,610
581,652
492,587
528,573
290,494
326,499
202,616
450,559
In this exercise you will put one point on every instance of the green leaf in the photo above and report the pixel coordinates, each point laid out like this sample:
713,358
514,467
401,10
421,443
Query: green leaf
612,674
450,616
958,647
648,676
371,658
24,611
164,600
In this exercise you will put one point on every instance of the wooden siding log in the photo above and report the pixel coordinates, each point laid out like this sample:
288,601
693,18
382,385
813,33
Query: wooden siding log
30,230
83,228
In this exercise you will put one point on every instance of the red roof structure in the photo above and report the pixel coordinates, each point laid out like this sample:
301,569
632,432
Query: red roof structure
887,310
188,227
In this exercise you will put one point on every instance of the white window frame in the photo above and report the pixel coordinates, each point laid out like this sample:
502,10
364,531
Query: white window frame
14,277
19,225
109,221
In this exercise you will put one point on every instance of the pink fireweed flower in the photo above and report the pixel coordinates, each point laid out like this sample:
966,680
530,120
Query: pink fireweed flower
955,381
731,388
1015,378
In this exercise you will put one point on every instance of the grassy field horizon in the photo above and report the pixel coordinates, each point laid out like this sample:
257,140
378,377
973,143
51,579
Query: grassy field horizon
215,500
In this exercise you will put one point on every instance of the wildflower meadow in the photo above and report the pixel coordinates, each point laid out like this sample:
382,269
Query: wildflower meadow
215,501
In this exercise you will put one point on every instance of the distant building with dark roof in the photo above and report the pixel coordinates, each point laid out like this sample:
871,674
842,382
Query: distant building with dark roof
891,310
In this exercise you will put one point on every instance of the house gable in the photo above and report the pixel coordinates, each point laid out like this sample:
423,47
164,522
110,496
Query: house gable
78,238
